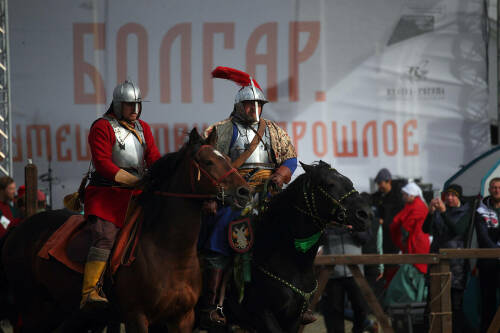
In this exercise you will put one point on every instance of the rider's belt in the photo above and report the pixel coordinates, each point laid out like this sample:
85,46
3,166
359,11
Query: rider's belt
257,178
269,166
97,180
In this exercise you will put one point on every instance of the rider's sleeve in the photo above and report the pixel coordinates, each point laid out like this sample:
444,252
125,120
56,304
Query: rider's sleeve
234,136
152,153
101,140
291,164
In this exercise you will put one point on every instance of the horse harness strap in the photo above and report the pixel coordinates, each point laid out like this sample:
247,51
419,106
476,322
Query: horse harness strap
306,295
215,181
312,210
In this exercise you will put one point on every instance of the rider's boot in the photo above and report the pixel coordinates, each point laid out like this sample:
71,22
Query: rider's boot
91,276
211,315
308,317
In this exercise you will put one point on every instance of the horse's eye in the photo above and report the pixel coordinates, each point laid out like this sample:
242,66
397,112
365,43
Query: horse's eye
208,162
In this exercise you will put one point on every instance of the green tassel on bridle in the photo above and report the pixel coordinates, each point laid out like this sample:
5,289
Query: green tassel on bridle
304,244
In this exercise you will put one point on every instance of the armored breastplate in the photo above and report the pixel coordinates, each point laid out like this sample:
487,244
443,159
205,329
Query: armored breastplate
261,156
128,152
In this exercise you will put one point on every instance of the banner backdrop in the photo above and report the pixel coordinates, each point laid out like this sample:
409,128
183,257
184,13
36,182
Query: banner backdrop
359,84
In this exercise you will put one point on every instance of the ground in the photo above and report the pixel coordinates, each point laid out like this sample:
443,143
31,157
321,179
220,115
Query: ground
316,327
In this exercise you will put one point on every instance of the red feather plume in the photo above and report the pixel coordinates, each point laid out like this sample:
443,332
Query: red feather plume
241,78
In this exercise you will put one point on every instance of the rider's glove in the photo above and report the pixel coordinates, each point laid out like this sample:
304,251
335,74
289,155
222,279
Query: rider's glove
281,176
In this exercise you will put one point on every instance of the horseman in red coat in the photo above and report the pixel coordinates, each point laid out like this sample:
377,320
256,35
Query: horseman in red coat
122,147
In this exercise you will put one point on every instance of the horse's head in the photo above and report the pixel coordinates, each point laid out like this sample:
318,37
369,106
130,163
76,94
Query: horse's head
211,172
332,199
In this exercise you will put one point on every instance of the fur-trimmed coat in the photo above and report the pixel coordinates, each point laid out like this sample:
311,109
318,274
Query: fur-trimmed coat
281,145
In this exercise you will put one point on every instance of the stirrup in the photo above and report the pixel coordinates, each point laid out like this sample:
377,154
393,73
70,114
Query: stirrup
90,299
220,311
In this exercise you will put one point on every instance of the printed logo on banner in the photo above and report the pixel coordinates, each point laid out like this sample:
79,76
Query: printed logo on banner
413,84
418,72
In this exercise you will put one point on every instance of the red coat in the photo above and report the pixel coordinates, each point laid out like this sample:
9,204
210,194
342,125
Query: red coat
411,218
110,203
7,212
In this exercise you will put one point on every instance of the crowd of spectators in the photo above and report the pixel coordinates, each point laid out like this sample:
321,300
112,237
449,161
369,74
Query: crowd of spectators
404,222
13,205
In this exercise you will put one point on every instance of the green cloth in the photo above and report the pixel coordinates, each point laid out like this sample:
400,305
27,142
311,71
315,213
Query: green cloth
380,246
407,286
242,272
304,244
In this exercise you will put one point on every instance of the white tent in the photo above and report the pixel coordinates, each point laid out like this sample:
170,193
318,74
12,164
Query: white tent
475,176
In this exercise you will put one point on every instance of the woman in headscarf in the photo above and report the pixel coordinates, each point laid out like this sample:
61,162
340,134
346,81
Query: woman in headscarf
406,228
408,285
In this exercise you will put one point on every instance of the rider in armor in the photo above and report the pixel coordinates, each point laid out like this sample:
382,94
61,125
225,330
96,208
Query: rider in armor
122,147
262,152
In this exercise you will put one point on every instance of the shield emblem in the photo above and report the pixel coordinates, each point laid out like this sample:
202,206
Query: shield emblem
240,235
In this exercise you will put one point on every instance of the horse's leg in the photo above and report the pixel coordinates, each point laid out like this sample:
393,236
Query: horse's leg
266,322
38,316
83,322
184,324
113,327
136,323
293,327
221,329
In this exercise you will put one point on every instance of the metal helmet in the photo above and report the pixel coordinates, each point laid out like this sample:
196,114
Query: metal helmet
127,91
247,94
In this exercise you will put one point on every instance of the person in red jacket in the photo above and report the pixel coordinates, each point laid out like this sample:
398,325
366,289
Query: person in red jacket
408,285
122,147
406,227
9,215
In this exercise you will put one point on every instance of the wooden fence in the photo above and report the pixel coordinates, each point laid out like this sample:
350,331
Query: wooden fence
440,284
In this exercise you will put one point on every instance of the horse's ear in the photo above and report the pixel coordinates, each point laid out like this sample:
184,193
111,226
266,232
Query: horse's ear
307,168
323,163
194,137
212,137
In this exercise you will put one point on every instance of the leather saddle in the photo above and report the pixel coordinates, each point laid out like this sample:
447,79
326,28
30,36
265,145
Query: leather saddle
70,243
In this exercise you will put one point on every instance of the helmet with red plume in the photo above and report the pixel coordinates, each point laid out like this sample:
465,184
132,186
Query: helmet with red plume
250,89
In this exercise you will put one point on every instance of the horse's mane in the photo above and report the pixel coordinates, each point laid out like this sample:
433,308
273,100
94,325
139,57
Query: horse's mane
277,219
281,203
158,177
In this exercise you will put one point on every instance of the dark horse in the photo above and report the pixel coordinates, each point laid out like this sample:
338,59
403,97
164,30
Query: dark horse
163,284
286,243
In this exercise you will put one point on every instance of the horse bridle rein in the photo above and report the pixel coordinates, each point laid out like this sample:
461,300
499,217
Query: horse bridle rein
306,295
312,211
216,182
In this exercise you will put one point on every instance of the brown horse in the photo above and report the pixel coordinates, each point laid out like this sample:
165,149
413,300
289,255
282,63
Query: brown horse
163,284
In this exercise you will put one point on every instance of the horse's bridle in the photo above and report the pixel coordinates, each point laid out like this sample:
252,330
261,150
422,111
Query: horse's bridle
338,210
312,211
216,182
305,295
